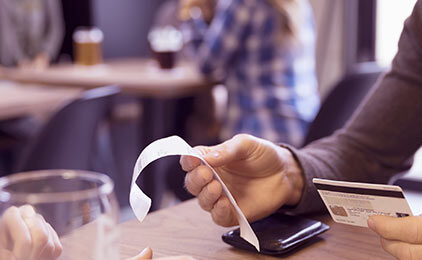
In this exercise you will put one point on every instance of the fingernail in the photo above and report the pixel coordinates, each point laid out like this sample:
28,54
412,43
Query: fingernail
371,224
144,251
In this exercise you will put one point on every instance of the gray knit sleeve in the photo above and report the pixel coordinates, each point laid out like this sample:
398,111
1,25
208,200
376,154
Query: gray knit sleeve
382,135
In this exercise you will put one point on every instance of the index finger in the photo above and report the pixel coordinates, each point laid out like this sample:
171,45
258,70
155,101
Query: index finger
407,229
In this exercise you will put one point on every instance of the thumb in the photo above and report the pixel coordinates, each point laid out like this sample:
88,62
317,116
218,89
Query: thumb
145,254
407,229
237,148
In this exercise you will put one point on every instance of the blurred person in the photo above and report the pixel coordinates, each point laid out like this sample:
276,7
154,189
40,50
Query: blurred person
377,143
31,32
165,15
25,235
195,118
263,51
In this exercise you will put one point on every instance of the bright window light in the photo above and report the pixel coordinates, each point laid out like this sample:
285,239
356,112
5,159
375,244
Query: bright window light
390,18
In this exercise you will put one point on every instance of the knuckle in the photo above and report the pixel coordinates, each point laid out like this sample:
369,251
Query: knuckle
221,214
204,206
41,239
27,207
196,178
188,185
183,163
242,138
204,203
47,250
12,211
58,250
213,190
205,174
41,235
187,163
216,187
244,143
207,198
200,177
201,150
217,219
50,247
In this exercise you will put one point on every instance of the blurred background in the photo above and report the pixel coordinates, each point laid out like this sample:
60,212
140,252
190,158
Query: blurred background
109,77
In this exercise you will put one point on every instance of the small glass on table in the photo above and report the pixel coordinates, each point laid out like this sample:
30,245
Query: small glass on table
165,42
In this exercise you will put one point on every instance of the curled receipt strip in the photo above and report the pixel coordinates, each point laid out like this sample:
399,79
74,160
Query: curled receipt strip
175,145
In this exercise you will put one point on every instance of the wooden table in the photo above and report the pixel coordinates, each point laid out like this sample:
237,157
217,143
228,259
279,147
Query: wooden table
157,90
187,230
17,100
141,77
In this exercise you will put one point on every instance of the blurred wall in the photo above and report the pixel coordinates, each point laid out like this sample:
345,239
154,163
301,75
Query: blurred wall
75,13
329,18
125,24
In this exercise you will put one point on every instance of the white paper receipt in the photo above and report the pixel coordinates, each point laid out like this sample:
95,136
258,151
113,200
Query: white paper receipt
175,145
352,202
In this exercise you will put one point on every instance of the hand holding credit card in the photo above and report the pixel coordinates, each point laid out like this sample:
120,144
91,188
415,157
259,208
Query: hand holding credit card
352,202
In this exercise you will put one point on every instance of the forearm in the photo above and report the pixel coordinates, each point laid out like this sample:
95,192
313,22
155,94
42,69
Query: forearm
377,143
382,136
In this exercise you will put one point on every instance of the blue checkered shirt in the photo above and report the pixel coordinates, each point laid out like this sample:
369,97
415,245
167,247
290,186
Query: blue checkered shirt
272,89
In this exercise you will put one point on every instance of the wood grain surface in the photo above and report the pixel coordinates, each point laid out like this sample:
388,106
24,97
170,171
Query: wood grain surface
187,230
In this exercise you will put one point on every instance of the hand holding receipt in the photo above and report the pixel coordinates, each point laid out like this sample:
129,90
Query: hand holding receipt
174,145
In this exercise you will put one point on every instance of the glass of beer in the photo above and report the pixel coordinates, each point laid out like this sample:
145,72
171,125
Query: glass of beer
87,45
79,205
165,42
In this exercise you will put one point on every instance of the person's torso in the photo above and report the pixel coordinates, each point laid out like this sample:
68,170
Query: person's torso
267,74
28,20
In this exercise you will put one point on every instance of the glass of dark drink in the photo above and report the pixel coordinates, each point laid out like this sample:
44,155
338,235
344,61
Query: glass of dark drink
165,42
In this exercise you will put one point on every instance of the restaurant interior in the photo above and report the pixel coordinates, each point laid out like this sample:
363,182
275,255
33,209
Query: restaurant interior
87,85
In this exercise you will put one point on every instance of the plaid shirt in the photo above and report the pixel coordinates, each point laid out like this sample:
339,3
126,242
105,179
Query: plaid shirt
272,89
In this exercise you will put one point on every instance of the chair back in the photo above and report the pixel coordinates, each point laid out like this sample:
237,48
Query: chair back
342,101
68,139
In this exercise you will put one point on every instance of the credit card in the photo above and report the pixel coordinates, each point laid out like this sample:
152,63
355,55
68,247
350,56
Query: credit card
353,202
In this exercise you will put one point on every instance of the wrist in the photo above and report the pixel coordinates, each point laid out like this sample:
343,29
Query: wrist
294,175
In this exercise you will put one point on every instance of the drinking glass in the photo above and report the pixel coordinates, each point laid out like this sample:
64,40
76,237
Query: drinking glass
87,44
80,206
165,42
